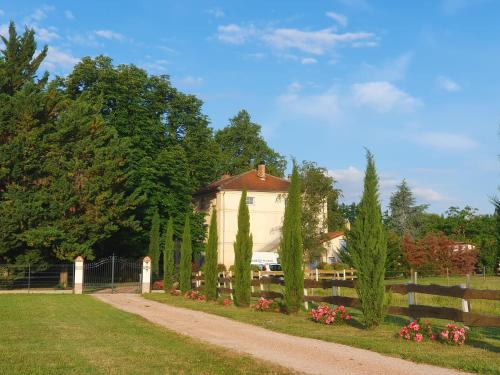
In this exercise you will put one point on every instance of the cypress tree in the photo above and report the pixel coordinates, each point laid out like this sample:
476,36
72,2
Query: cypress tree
186,257
367,245
242,255
168,256
154,243
291,247
210,266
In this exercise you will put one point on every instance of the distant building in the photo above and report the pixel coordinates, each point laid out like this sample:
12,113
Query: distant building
333,243
459,246
266,196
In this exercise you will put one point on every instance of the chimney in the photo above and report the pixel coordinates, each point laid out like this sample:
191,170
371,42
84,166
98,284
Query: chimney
261,171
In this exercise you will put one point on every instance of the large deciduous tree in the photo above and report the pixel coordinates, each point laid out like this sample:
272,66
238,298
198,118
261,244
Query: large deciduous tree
242,147
242,255
291,247
367,247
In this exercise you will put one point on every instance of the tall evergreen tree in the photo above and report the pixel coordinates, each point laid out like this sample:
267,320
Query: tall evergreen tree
211,257
186,257
154,243
367,246
291,247
404,214
242,255
168,256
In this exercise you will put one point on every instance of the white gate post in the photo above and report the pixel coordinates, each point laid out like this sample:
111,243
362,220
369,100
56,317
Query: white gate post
78,281
146,275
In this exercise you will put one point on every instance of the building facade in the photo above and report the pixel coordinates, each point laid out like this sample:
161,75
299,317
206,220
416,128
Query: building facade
266,196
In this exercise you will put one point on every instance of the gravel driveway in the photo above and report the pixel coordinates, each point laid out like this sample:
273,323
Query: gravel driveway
298,353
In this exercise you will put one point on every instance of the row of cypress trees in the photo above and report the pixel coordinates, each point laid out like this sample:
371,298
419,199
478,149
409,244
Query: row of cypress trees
168,253
366,244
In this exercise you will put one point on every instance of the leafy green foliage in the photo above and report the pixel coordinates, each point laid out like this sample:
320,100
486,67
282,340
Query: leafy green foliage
242,255
210,267
242,147
186,258
367,246
291,246
316,189
154,243
168,256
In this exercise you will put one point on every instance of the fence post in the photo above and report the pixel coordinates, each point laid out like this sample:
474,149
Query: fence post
78,281
251,281
260,284
231,285
306,304
317,275
344,274
465,303
29,277
146,275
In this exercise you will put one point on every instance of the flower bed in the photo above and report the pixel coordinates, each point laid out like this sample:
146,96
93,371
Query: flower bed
329,315
195,295
263,304
417,331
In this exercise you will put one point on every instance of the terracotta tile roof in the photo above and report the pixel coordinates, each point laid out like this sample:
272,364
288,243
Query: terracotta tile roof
249,181
331,235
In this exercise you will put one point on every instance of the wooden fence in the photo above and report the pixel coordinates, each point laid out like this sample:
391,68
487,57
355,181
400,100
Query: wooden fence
334,280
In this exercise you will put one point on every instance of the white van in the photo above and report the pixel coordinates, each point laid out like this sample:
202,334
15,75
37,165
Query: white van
266,260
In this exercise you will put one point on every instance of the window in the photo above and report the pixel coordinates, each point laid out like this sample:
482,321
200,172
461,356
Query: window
250,200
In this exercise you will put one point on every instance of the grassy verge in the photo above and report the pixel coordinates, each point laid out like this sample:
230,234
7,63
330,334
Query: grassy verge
67,334
480,354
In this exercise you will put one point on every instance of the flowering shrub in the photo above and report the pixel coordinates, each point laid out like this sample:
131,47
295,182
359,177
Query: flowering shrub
158,285
416,331
453,334
263,304
195,295
175,292
227,302
329,315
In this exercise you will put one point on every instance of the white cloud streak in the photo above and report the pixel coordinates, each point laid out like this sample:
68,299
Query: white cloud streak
308,61
110,35
57,59
69,14
445,141
447,84
339,18
382,96
235,34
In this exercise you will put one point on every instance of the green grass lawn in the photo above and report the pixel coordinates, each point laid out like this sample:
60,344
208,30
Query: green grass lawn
480,354
67,334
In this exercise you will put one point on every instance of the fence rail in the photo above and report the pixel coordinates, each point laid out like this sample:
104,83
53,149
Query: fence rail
260,279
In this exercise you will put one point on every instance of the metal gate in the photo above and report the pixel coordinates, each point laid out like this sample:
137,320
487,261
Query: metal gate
112,275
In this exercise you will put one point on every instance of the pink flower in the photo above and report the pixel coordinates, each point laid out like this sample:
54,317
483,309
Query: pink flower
419,337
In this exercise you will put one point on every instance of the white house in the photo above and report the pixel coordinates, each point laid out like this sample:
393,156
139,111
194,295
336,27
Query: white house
266,203
334,242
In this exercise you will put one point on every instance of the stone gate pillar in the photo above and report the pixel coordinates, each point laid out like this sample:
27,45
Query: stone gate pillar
78,282
146,275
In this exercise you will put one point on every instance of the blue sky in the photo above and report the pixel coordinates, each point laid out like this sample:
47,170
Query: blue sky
417,83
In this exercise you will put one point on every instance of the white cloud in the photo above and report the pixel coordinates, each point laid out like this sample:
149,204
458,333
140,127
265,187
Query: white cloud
308,61
57,59
157,66
69,14
428,194
315,42
191,81
235,34
383,97
216,12
2,13
447,84
445,141
4,30
109,34
41,13
339,18
46,35
323,106
351,180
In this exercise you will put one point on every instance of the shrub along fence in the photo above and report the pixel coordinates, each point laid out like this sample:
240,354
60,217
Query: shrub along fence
334,280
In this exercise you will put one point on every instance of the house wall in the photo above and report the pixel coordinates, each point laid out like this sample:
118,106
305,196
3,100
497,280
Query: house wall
333,247
266,220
